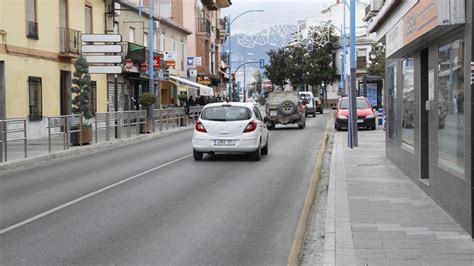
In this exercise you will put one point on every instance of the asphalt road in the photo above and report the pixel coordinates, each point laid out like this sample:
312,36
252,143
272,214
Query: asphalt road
168,209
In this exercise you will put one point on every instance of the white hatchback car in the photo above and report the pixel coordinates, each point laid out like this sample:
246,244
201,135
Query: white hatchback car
230,128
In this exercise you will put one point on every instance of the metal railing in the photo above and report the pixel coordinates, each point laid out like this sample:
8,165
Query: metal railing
70,41
116,121
64,131
203,25
31,29
9,127
63,126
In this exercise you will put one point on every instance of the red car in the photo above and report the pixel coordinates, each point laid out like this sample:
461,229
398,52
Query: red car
365,114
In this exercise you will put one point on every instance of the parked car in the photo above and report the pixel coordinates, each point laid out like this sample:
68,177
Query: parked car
230,128
366,117
319,105
285,107
311,106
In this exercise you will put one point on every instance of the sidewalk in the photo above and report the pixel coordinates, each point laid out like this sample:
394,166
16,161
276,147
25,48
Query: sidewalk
378,216
38,148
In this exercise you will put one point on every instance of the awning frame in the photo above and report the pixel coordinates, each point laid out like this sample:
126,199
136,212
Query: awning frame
204,90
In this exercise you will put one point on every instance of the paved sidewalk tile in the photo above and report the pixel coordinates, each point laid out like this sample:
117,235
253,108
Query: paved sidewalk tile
379,217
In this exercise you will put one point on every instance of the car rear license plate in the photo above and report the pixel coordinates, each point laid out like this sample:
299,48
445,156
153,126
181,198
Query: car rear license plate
273,113
360,120
224,142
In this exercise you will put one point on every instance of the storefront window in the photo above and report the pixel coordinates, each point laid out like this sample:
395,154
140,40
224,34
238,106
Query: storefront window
408,106
392,102
451,104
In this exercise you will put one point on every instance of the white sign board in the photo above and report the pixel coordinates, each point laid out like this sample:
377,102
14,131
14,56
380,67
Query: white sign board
170,56
197,61
101,48
91,59
431,85
105,69
101,37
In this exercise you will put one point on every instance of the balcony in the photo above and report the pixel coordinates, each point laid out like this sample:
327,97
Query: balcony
203,25
32,29
69,42
224,3
211,4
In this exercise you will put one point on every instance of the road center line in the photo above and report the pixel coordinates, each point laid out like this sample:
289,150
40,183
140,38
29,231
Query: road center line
36,217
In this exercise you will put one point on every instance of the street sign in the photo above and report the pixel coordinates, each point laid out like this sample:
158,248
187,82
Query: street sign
190,61
101,37
101,48
91,59
105,69
197,61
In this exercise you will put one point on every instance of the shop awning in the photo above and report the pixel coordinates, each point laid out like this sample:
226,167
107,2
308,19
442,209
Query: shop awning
204,90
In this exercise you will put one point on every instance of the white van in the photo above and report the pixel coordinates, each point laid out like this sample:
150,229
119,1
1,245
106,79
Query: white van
310,107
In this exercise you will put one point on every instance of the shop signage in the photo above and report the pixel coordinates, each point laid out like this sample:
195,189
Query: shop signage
425,16
204,80
170,58
192,72
156,62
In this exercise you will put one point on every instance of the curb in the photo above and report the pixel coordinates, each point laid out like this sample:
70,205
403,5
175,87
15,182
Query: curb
20,164
298,242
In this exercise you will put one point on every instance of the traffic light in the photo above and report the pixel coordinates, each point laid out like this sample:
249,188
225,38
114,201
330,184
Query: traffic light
309,45
262,63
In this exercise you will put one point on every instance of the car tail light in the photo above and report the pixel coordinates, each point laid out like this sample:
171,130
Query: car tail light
200,127
250,127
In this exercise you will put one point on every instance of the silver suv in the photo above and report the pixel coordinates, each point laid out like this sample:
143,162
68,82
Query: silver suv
285,107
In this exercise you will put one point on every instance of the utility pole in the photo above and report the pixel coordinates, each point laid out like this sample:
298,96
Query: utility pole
229,60
352,123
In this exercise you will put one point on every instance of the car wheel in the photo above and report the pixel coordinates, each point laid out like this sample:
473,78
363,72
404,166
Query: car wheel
337,128
300,126
256,155
271,126
197,155
287,107
314,114
373,127
321,111
264,150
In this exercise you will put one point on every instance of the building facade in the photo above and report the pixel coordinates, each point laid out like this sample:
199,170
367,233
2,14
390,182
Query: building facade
428,97
39,42
169,38
203,16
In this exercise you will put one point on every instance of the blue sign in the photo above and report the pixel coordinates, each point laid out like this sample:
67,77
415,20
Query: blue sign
190,61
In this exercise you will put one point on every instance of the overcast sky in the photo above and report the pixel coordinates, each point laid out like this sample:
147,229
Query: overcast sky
276,12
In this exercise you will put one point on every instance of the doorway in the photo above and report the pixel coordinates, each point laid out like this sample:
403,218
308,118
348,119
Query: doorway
65,92
424,114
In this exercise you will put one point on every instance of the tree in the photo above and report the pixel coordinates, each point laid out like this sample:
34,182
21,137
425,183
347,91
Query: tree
319,65
377,60
277,70
258,82
81,104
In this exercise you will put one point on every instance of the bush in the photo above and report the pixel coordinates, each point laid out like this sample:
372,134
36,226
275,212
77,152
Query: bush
146,99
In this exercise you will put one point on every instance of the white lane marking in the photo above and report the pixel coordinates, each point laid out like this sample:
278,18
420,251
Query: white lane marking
36,217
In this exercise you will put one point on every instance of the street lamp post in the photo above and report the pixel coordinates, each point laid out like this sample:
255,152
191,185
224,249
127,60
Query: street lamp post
229,23
353,141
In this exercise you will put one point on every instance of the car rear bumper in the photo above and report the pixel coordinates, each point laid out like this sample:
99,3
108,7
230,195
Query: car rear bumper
243,143
365,123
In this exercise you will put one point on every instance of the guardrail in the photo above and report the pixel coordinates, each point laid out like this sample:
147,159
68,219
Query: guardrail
117,121
7,128
62,131
64,125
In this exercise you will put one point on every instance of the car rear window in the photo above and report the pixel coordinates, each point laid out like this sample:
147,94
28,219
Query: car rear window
226,113
361,104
